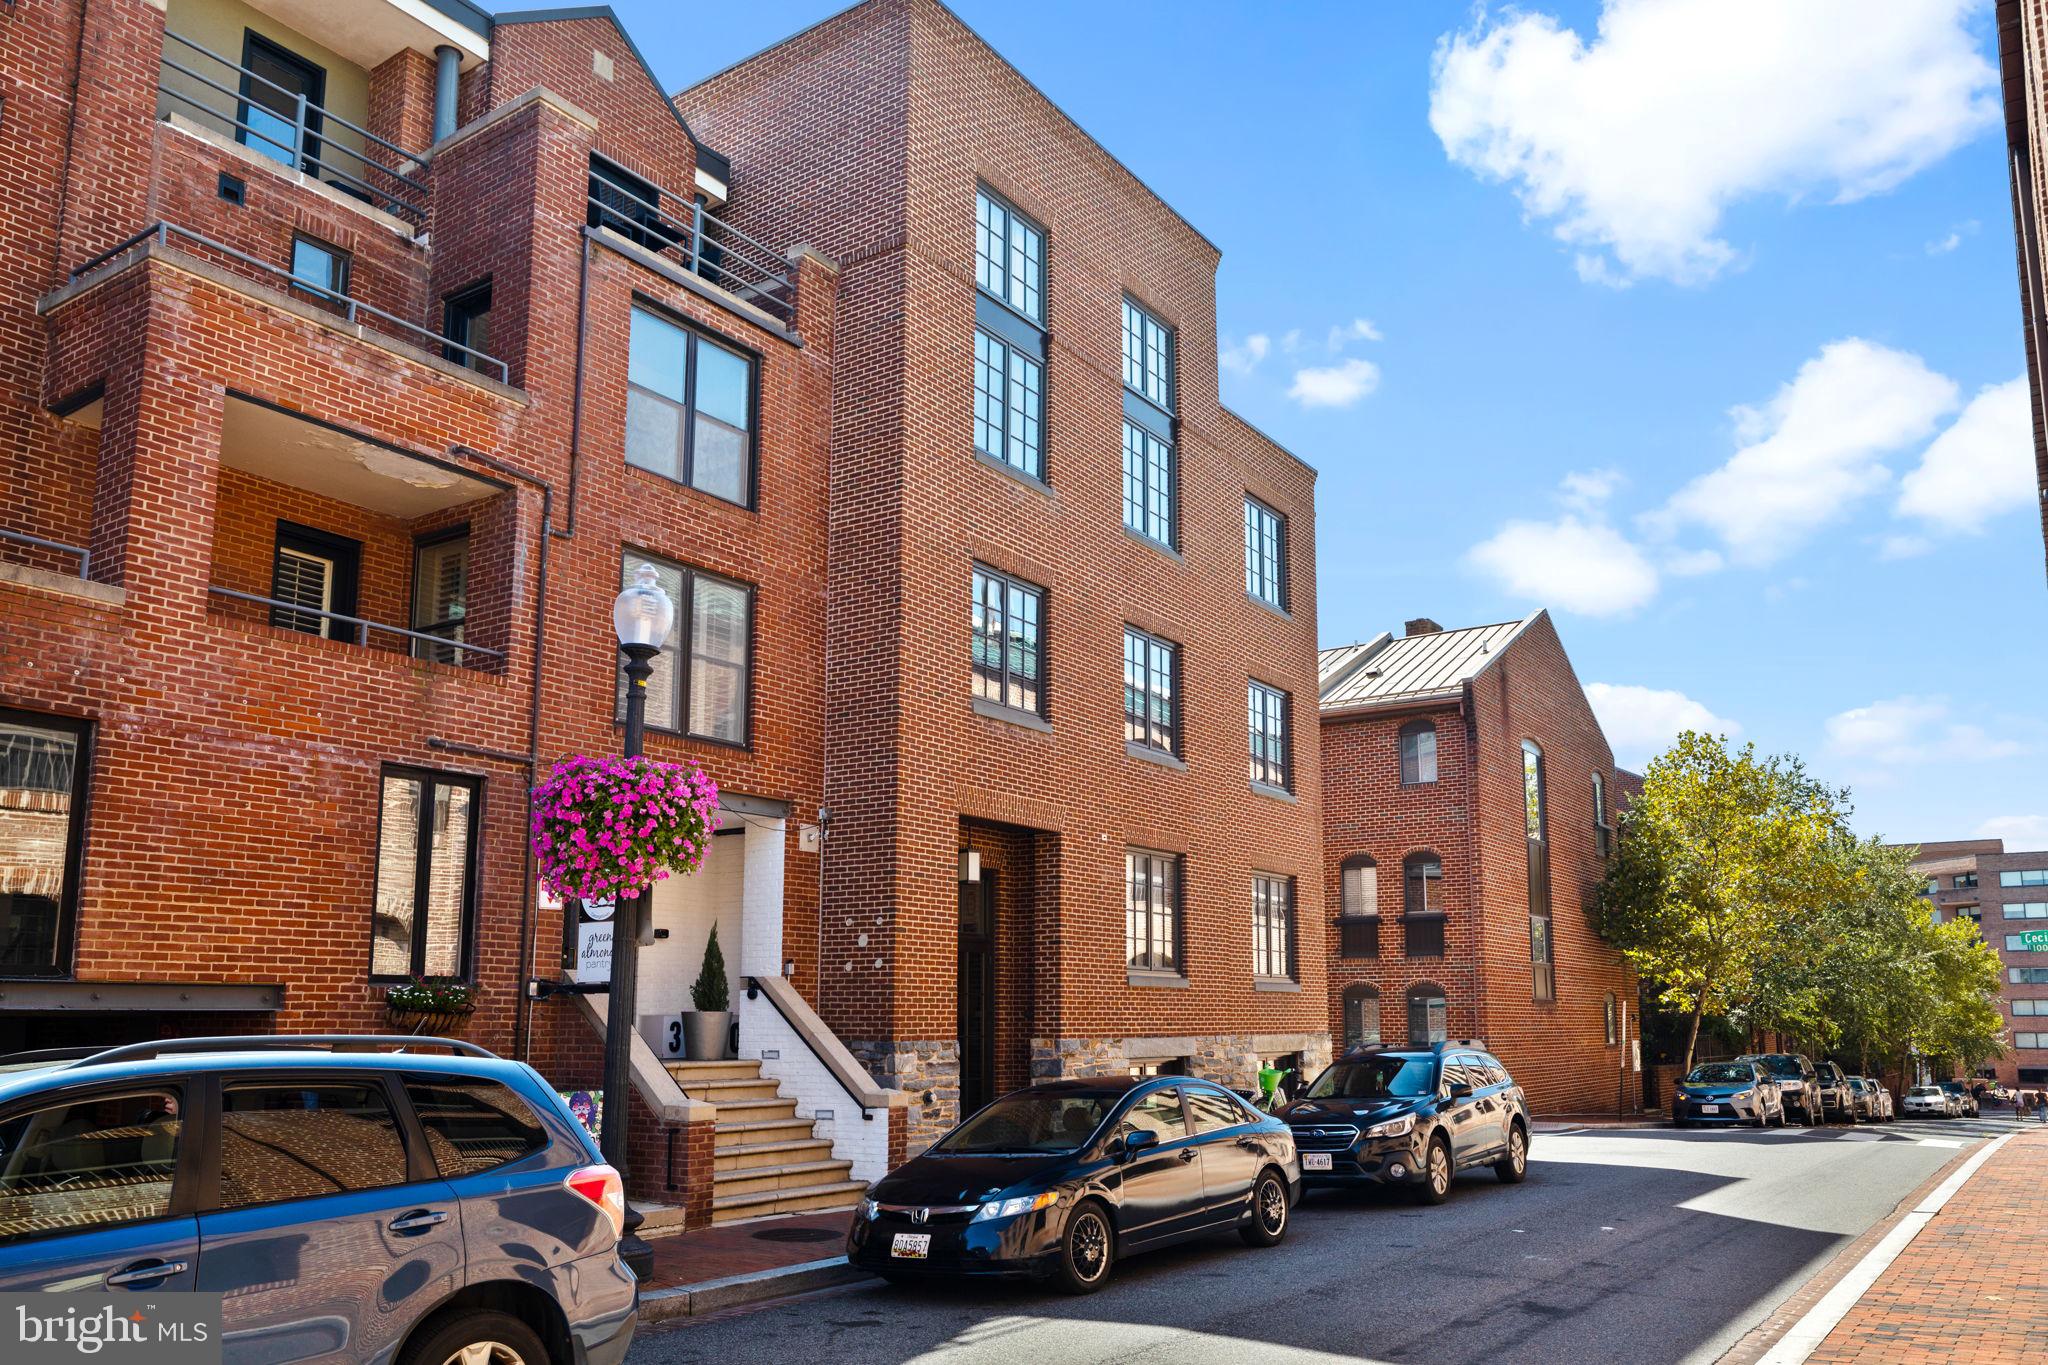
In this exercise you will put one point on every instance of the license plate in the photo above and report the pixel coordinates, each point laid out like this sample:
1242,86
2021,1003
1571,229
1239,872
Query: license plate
1315,1161
911,1246
1710,1109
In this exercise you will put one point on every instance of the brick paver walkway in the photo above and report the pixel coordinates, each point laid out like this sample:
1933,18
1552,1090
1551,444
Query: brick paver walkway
741,1248
1972,1288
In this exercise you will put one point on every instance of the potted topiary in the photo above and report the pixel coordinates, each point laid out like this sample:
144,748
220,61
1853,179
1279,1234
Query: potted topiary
422,1006
706,1026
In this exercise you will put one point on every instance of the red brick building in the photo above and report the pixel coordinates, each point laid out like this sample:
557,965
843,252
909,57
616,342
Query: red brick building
1469,804
1070,769
2005,894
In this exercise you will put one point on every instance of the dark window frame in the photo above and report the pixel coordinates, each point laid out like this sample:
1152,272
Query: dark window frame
1005,351
680,636
1261,767
343,591
1041,272
1411,755
83,733
344,272
1151,646
1358,929
1256,515
1421,993
306,156
1169,352
697,334
1362,993
633,210
1423,918
1176,909
459,319
423,864
420,648
999,676
1278,899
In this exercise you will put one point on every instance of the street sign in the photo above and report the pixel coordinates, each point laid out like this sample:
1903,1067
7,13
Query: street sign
2035,939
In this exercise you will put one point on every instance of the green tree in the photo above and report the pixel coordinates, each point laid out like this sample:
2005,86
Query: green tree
709,991
1717,856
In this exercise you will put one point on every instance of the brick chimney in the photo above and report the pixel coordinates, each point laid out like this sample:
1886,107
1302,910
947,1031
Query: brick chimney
1421,625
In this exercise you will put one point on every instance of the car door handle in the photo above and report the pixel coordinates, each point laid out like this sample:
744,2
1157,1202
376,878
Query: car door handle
1188,1154
142,1274
419,1221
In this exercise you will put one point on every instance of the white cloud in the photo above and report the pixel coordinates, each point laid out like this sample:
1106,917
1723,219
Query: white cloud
2022,833
1953,238
1290,341
1903,547
1641,721
1587,490
1981,466
1358,329
1244,356
1816,447
1572,563
1692,563
1914,729
1335,386
1633,145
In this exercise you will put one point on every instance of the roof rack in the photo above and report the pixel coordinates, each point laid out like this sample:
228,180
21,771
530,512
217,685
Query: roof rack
276,1042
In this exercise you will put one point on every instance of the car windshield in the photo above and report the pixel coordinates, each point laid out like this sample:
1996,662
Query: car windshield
1029,1123
1719,1073
1376,1078
1923,1090
1781,1066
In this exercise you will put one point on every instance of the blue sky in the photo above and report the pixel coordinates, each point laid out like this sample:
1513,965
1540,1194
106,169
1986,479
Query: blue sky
1685,318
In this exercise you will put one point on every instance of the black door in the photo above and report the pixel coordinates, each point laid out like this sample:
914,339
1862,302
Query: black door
277,87
977,993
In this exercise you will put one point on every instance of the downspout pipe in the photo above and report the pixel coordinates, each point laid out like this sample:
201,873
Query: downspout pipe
447,66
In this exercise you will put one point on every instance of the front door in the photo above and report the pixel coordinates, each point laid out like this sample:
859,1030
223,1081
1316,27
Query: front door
977,993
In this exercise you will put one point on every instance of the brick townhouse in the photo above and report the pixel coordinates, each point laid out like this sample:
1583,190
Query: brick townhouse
1470,802
2005,894
1071,764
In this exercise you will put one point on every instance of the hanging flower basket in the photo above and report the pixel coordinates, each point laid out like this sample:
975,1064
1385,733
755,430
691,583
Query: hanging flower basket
420,1006
606,829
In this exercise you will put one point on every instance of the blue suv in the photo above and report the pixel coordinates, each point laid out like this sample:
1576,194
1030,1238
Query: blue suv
350,1205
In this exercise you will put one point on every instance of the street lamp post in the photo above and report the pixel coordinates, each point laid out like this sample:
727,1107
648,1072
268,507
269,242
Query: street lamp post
641,616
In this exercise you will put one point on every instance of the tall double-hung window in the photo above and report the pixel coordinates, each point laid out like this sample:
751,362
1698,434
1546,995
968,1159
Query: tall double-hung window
1009,337
1009,652
1151,470
1151,692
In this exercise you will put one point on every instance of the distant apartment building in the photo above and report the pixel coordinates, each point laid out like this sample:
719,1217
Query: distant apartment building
2023,72
2006,896
1470,802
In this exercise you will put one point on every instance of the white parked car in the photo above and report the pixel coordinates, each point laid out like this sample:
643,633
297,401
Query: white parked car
1928,1101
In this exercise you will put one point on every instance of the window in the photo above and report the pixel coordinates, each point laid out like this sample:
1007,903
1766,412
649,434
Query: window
2033,876
88,1163
2017,943
1009,404
2030,1040
275,85
440,593
1358,893
1148,484
2025,1008
1361,1016
43,776
1151,692
1008,619
1542,950
689,409
1169,1066
426,874
1009,256
312,572
2027,976
630,206
1151,911
703,676
1160,1112
303,1139
473,1125
1428,1016
1422,877
1271,741
1603,833
321,272
1965,881
2027,910
466,322
1273,927
1418,753
1265,554
1212,1110
1148,356
1611,1019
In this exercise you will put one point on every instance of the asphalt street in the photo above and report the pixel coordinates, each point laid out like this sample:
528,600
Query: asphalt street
1637,1245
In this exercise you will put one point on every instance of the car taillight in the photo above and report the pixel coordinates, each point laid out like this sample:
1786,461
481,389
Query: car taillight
601,1186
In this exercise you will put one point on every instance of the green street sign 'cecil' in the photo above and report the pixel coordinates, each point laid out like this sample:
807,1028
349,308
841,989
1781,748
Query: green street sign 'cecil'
2035,939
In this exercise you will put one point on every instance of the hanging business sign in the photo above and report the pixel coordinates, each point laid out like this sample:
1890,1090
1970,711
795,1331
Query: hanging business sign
593,952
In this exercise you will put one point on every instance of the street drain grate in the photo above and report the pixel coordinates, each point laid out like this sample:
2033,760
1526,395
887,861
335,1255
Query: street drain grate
797,1235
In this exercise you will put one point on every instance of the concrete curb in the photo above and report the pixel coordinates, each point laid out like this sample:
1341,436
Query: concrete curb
708,1296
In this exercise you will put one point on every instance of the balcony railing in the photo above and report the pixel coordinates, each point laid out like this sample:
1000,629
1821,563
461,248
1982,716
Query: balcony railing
713,250
285,126
83,555
350,309
425,644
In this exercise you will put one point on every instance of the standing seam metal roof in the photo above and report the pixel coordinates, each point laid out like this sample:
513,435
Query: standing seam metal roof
1386,670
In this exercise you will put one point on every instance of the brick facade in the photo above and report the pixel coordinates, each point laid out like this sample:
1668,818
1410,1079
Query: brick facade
1472,819
1966,880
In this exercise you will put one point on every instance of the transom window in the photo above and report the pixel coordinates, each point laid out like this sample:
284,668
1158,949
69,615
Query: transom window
1267,709
1009,404
1151,692
1152,915
1148,484
1148,356
1273,927
1008,616
1418,753
689,408
1265,554
1009,256
426,875
702,677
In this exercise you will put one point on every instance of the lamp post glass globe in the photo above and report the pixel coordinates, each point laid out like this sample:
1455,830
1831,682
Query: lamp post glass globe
643,614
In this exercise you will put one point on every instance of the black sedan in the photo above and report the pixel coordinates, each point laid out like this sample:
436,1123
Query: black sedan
1062,1179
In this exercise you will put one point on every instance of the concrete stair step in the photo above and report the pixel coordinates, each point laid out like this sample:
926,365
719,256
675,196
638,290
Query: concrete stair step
754,1111
794,1175
839,1194
738,1068
742,1156
728,1135
731,1090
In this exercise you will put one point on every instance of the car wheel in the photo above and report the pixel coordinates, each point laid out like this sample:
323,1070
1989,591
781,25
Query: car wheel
1269,1211
1435,1185
1087,1250
1514,1167
482,1337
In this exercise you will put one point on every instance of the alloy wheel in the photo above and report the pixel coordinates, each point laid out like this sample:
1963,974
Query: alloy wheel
1091,1247
1439,1169
1272,1205
486,1353
1518,1151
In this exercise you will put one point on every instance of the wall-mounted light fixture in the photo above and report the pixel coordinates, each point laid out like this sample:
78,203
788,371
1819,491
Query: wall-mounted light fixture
970,865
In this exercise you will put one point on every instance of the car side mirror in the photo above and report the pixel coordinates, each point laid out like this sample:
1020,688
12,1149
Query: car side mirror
1136,1141
1460,1091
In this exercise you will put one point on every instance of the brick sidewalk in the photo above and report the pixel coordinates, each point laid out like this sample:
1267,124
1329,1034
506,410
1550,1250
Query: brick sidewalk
1972,1288
716,1253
